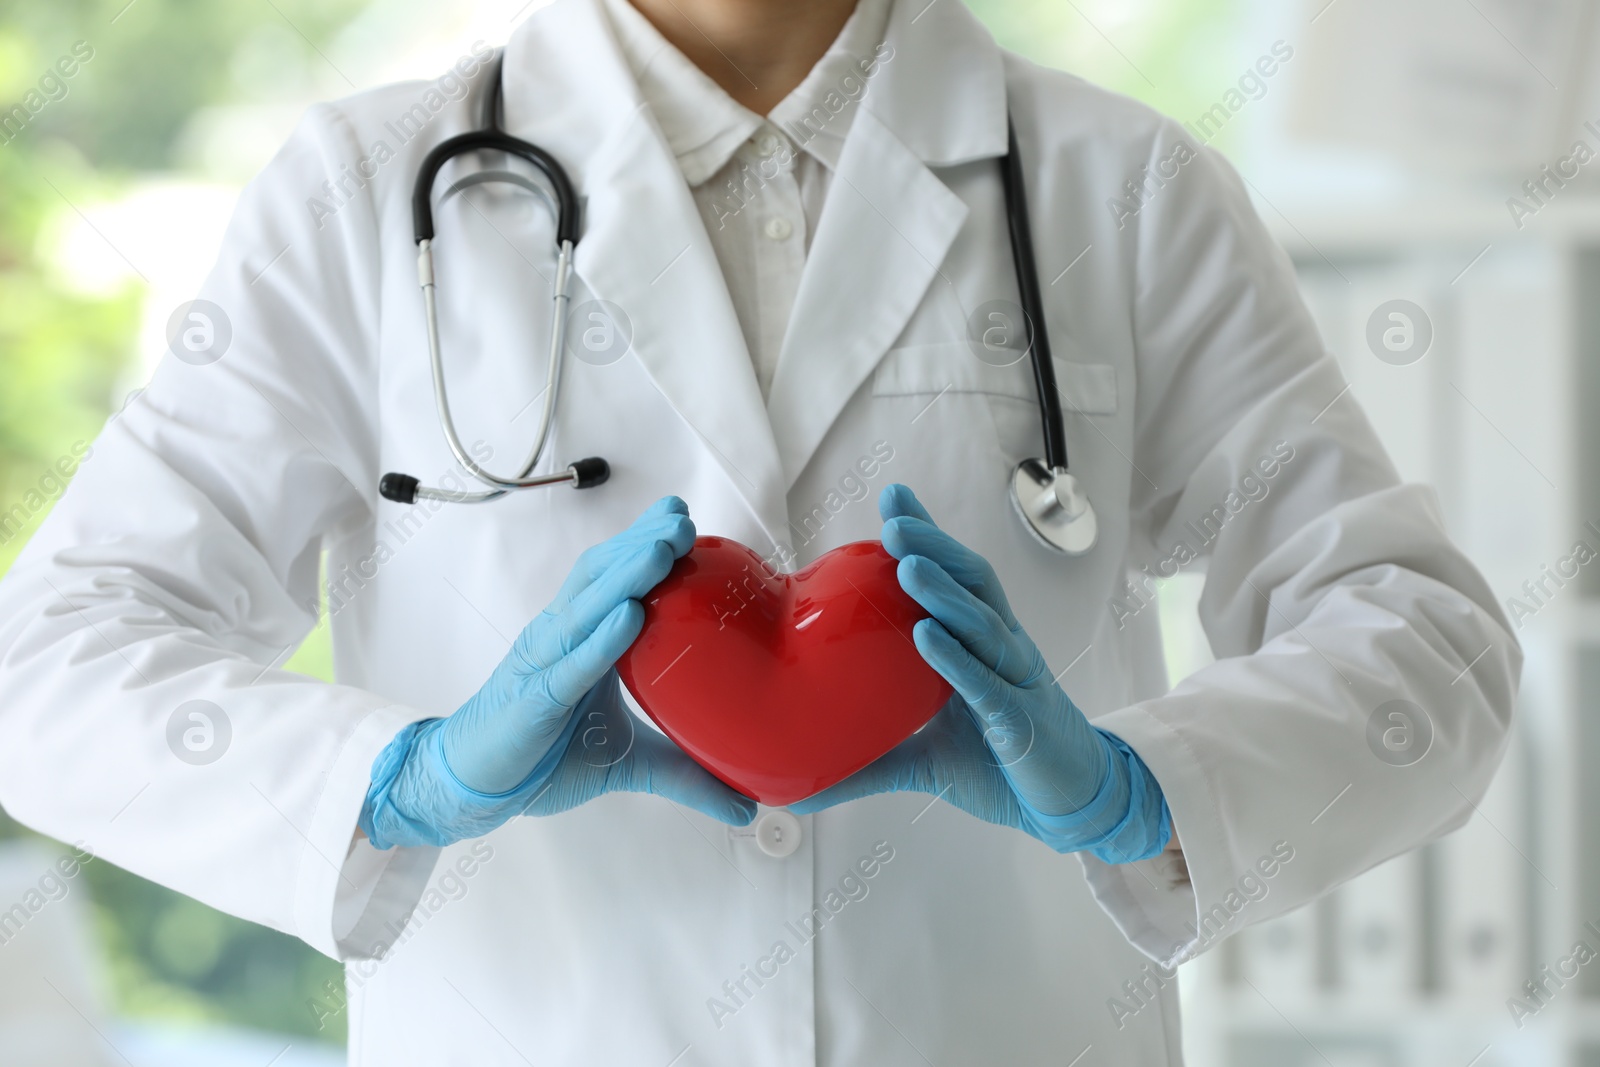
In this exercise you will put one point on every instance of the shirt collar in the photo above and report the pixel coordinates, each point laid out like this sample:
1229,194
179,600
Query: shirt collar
818,113
704,126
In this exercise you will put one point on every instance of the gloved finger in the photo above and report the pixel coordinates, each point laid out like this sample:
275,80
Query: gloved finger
566,681
665,520
909,535
549,637
908,529
897,500
969,619
904,768
1008,729
661,768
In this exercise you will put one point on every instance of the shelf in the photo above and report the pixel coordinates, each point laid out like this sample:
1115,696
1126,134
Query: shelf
1449,220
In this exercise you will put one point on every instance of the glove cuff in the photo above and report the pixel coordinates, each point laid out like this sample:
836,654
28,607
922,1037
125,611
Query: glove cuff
411,777
1125,821
1146,827
383,824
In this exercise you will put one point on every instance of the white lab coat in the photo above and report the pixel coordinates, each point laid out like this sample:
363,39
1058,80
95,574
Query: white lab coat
184,560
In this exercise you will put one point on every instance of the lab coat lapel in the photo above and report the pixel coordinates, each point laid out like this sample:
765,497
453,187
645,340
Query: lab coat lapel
885,228
646,250
643,245
889,220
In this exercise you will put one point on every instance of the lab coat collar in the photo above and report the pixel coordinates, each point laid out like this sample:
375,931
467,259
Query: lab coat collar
937,99
643,246
941,94
818,114
942,91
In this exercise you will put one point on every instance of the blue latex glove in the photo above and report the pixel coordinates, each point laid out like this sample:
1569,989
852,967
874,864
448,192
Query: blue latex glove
1009,747
549,730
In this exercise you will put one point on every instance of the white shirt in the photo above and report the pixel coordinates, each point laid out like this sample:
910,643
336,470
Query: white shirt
760,198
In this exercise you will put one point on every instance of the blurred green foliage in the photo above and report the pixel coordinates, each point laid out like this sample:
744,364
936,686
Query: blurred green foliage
156,63
1175,55
170,958
59,351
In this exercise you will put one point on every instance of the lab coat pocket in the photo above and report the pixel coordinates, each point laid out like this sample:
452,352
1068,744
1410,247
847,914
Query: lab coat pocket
979,417
911,370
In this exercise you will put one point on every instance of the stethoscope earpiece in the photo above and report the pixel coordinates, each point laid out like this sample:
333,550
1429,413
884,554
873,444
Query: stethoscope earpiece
1054,507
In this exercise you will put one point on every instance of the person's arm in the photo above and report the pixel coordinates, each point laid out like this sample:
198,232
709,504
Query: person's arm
1333,595
181,565
1009,747
533,739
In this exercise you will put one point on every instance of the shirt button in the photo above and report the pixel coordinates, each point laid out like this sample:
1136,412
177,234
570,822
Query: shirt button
778,228
769,143
778,833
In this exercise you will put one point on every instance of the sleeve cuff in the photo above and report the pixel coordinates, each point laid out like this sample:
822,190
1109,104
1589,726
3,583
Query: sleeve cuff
376,897
1151,902
1155,902
346,901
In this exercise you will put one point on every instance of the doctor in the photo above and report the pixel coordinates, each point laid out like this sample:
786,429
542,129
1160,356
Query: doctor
791,214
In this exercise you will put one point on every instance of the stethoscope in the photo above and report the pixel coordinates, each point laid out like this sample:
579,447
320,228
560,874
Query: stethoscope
582,474
1048,498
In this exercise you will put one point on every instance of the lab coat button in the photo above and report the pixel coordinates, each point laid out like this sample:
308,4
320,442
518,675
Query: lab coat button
778,228
778,833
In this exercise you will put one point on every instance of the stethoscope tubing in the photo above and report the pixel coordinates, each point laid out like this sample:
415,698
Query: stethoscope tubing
491,137
552,385
1038,336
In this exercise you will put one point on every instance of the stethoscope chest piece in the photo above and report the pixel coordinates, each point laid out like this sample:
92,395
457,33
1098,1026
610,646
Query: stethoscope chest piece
1054,507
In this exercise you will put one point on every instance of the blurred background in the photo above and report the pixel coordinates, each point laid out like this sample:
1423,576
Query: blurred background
1428,167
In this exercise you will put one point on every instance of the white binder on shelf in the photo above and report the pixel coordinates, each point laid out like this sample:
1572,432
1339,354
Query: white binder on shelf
1484,872
1378,943
1483,87
1514,498
1278,958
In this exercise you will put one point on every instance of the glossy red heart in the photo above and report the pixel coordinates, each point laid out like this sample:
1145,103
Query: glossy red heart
782,684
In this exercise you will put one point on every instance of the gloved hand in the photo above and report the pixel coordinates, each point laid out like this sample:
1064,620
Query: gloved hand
548,730
1009,747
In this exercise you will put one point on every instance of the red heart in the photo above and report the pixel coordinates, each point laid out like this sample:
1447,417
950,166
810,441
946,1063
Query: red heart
782,684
